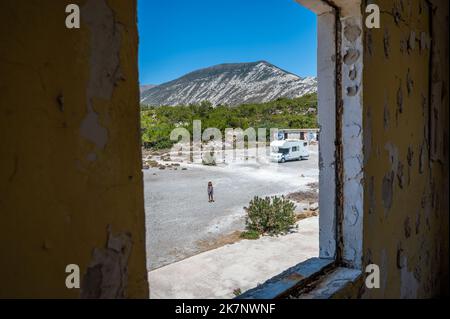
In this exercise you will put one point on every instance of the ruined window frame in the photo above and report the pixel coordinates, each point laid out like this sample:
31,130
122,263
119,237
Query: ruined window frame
341,196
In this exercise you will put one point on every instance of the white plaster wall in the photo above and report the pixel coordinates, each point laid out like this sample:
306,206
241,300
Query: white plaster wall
352,139
326,57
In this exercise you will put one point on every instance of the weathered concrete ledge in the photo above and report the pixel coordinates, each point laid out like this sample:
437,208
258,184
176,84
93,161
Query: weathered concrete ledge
333,283
290,279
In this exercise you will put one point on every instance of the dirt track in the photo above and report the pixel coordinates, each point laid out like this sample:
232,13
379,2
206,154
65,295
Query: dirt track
180,221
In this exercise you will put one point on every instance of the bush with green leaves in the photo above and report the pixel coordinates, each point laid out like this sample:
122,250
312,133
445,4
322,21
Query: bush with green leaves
270,215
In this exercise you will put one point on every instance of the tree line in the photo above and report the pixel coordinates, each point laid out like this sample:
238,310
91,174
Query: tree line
157,122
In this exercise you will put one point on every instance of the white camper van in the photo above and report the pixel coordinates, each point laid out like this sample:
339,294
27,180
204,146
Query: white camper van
288,150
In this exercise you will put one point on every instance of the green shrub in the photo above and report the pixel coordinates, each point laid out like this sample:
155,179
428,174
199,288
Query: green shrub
250,234
270,215
208,161
237,292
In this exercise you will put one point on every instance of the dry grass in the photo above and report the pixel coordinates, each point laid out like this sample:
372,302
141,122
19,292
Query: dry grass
304,196
223,240
306,214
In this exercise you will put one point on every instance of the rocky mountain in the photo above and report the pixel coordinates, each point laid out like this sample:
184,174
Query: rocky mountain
144,88
231,84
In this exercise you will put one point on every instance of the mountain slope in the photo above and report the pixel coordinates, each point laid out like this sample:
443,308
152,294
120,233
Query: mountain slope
231,84
144,88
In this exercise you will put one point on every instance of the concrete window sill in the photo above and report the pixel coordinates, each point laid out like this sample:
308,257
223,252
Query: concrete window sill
332,283
320,273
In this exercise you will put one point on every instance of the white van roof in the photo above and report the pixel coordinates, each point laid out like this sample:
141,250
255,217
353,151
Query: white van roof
282,143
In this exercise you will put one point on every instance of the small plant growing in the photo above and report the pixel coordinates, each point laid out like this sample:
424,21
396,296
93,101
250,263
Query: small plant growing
270,215
250,234
209,159
237,292
209,162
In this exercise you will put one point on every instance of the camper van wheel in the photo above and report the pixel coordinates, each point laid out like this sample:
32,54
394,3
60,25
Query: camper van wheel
283,160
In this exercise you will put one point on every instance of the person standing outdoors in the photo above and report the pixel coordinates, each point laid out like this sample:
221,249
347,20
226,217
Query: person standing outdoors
210,192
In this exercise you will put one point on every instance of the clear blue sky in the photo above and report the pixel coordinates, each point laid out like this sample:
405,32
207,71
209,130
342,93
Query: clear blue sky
180,36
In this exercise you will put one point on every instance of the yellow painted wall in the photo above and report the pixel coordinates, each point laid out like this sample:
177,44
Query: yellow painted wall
406,207
70,156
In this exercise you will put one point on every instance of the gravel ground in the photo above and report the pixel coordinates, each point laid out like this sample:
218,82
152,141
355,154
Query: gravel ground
179,216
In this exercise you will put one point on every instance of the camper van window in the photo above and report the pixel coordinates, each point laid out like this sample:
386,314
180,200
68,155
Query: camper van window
305,144
295,149
283,150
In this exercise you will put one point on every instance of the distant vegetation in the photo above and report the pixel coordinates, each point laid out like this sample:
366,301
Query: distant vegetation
157,122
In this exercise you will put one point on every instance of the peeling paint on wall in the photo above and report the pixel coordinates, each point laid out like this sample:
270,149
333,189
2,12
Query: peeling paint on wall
107,273
105,69
353,136
64,173
405,236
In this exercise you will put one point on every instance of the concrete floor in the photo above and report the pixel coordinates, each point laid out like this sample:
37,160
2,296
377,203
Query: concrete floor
243,265
179,217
